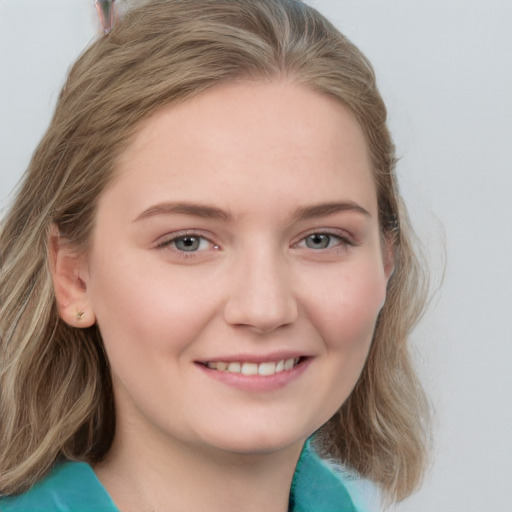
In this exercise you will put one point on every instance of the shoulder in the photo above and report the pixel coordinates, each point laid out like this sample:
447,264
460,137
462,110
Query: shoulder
69,487
318,486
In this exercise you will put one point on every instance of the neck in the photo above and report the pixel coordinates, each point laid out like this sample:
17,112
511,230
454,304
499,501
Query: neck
161,477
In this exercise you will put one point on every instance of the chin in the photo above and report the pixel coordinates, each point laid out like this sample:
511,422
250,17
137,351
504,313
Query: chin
257,441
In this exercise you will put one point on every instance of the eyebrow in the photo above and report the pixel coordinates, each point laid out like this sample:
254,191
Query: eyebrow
212,212
194,209
326,209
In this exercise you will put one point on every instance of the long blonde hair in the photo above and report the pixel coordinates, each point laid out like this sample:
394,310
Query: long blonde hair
56,392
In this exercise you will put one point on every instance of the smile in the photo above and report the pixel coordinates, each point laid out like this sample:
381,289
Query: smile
246,368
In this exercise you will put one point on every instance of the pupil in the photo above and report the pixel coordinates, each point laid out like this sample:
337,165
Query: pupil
318,241
188,243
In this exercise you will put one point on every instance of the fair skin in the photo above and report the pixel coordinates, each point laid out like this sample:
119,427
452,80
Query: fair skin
241,229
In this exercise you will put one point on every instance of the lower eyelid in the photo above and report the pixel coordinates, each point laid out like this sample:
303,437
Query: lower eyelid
342,240
170,240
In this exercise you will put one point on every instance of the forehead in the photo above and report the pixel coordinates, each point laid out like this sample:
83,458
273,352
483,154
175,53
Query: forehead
250,136
256,106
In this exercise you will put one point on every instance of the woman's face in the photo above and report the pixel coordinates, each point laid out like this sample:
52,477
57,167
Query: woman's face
236,270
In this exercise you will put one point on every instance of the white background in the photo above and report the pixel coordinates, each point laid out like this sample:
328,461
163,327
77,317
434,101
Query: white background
445,71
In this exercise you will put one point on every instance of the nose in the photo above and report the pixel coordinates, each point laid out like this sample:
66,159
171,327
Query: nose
261,297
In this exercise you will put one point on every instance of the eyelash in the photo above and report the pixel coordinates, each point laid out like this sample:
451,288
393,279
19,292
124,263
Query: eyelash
171,243
343,242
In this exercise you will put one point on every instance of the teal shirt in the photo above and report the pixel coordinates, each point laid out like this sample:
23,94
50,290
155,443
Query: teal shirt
74,487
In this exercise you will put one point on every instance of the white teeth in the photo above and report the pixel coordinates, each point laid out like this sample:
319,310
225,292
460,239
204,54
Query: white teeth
250,369
288,364
267,368
234,368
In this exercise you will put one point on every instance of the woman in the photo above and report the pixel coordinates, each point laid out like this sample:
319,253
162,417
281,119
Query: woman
208,277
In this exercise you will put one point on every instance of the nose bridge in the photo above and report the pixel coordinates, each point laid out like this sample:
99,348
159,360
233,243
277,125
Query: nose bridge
262,296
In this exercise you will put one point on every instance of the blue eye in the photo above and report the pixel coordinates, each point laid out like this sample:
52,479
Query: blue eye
318,241
321,241
188,243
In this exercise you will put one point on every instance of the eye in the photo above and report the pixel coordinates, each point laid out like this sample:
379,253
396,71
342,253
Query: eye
187,243
318,241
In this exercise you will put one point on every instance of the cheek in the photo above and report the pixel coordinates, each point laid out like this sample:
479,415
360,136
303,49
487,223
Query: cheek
343,313
347,310
142,311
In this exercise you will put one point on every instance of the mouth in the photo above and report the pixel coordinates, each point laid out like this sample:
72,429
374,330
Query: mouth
266,368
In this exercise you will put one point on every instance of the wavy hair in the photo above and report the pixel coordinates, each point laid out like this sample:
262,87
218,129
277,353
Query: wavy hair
55,385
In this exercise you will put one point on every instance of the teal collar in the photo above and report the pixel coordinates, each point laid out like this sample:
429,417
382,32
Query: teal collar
70,487
74,487
316,487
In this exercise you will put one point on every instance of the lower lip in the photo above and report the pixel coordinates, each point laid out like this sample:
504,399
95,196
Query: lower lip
257,383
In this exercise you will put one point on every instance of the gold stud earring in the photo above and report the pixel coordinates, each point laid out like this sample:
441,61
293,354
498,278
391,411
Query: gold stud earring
79,315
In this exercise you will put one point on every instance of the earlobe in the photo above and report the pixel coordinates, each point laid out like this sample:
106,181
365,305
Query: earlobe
69,275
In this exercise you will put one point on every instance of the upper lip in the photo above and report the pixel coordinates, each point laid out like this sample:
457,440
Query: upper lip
256,358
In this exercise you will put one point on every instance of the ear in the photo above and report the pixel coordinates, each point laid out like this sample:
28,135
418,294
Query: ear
388,261
69,275
388,255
